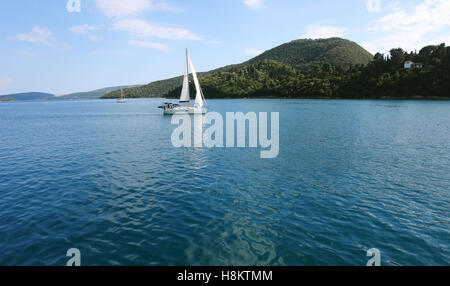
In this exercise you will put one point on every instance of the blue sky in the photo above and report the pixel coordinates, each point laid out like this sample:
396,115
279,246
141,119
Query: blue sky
46,46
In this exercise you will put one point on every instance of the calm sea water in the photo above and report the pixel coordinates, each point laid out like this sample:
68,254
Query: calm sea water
104,178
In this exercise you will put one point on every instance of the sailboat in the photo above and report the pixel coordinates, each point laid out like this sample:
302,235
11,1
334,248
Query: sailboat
122,97
200,106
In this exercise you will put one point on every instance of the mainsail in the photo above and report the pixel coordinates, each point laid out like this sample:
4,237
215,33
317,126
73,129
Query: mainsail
185,97
199,96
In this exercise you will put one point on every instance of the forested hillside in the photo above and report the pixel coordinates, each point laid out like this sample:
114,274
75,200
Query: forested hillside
299,54
382,77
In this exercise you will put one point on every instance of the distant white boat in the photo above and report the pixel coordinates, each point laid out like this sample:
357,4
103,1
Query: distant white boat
200,106
122,97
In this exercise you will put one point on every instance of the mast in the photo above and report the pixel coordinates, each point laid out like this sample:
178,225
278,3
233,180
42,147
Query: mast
185,96
199,98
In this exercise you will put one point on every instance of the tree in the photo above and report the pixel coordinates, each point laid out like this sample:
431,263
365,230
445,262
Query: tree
398,57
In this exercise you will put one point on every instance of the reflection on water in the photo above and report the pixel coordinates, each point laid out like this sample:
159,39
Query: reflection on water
105,178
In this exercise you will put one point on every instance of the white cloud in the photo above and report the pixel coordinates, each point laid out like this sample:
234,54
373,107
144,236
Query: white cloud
83,29
253,52
254,4
86,30
410,28
119,8
162,6
5,82
322,31
41,35
149,45
143,28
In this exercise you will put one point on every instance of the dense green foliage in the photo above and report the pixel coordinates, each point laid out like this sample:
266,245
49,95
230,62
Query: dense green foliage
154,89
303,54
386,77
383,77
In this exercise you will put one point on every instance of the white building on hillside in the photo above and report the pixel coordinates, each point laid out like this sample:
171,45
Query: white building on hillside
410,65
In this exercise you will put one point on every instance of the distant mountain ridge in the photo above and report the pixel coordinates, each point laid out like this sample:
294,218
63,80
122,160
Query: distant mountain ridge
94,94
29,96
299,54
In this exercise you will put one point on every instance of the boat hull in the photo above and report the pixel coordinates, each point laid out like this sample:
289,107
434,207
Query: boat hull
186,110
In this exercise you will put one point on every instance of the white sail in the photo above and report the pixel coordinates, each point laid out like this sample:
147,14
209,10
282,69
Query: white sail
185,96
121,99
199,96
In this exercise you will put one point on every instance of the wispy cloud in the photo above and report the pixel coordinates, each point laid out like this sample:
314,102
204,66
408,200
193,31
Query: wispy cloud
119,8
149,45
95,38
410,28
41,35
5,82
107,52
254,4
86,30
253,52
321,30
141,28
83,29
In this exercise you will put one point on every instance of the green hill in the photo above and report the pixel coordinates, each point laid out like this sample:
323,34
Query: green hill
299,55
262,79
383,78
302,54
7,99
93,94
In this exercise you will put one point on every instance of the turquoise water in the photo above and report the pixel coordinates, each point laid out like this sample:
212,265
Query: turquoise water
103,177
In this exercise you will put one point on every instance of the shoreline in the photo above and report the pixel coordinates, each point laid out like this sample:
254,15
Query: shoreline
422,98
386,98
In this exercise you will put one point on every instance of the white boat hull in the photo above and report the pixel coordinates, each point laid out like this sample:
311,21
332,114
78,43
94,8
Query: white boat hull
186,110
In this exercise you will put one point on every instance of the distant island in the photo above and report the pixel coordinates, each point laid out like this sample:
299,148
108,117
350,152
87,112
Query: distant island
94,94
28,96
7,99
324,68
